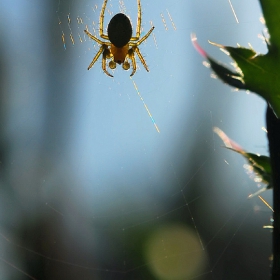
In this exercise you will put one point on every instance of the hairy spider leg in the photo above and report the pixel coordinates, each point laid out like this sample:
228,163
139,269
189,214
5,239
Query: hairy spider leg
144,37
134,48
101,21
96,57
103,49
96,39
132,57
138,25
141,58
106,54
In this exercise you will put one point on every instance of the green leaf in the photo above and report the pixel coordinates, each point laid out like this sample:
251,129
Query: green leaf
261,73
259,164
232,78
257,73
271,10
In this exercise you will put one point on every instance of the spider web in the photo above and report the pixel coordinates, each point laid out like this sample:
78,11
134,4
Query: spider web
91,190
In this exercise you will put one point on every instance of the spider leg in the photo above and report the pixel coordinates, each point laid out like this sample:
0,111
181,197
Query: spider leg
139,17
138,26
101,21
132,57
96,57
106,54
141,58
134,48
144,37
94,38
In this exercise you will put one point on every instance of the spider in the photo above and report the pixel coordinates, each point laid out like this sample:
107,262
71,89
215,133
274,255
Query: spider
121,45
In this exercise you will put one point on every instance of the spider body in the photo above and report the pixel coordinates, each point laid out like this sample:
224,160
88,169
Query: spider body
119,30
121,45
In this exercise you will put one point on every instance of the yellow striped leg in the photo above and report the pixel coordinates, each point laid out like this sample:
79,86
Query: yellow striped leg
101,21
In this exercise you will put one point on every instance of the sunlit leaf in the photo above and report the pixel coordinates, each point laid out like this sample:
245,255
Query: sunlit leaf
256,72
259,164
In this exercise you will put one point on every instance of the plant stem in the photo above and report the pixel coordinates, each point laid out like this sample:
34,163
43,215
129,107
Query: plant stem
273,129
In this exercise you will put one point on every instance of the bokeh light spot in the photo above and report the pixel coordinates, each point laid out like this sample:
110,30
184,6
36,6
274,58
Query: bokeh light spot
174,252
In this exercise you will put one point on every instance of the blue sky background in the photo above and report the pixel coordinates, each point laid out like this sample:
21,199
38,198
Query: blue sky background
83,150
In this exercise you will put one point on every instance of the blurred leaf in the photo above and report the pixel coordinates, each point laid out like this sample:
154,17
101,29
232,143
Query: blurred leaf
260,165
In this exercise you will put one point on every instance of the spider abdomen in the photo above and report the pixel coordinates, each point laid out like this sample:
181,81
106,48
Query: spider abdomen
119,30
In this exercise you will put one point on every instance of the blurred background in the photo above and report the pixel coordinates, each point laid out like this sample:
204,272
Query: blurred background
89,189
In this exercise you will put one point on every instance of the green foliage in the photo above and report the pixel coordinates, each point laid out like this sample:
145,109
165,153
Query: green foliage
257,73
260,74
258,164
